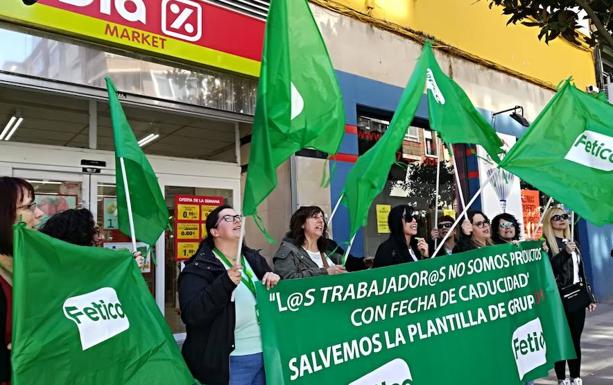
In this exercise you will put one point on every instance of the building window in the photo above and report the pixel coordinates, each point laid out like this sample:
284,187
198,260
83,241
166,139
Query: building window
430,144
412,134
369,131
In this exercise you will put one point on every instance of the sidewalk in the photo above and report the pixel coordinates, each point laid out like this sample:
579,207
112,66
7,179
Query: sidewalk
597,349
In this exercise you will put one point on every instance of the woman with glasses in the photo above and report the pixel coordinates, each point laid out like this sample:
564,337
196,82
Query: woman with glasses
218,305
402,245
476,232
568,270
505,229
16,205
306,250
443,227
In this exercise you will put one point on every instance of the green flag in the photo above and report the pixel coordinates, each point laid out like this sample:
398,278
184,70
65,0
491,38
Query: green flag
567,153
84,316
452,114
299,103
148,204
369,174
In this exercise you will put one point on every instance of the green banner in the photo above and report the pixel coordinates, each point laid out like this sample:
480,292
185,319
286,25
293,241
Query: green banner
487,316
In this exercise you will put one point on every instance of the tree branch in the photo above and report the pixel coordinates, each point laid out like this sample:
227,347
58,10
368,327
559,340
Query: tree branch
599,27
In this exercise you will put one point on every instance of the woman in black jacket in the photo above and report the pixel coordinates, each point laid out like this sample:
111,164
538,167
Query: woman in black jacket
505,229
217,300
402,245
568,270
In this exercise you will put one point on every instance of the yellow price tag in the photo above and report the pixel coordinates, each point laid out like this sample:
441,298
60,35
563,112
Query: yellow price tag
188,213
186,249
188,231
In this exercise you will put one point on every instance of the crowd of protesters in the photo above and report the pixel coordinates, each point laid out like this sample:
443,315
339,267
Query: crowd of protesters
217,298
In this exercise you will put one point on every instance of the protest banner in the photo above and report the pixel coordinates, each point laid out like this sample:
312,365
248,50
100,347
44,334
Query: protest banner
491,315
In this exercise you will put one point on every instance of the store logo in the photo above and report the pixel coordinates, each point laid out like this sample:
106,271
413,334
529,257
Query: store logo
395,372
297,102
592,149
433,87
130,10
529,347
98,315
182,19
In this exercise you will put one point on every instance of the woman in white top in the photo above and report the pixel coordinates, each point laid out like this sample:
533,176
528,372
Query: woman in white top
306,250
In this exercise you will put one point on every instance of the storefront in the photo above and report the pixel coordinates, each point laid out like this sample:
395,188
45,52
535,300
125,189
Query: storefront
185,71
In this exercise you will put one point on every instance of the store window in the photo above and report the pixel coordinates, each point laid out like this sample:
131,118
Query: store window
430,144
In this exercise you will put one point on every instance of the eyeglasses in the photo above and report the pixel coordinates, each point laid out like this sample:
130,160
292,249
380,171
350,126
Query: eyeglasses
30,206
229,218
506,225
482,224
560,217
445,225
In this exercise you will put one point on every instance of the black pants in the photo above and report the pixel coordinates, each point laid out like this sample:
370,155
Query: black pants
576,320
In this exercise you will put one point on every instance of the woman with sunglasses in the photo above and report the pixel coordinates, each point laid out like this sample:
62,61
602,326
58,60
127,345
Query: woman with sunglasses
306,250
402,245
506,229
443,227
17,205
567,268
217,300
476,232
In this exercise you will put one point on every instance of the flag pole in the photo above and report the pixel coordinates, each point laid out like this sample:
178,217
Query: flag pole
348,249
240,243
459,218
438,178
457,180
338,202
572,226
540,224
128,203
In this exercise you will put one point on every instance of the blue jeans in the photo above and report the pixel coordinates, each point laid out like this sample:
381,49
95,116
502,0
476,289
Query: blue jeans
247,370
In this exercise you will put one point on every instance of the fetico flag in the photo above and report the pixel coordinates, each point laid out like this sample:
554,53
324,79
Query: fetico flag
568,153
84,315
489,316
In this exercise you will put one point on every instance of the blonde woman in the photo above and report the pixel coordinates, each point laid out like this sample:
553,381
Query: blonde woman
568,270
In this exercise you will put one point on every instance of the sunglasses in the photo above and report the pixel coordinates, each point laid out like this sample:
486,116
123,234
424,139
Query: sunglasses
445,225
409,217
30,206
507,225
482,224
229,218
560,217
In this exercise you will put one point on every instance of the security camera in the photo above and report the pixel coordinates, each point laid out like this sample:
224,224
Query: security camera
592,89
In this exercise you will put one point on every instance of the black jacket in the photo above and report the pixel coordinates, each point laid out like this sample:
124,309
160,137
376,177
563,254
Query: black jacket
205,292
562,266
389,253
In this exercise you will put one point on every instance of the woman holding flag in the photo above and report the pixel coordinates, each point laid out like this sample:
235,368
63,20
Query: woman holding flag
17,205
569,272
217,300
476,232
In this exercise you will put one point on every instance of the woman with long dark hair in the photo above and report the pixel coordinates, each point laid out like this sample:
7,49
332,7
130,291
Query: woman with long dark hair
402,245
16,205
76,226
568,271
217,300
476,232
505,228
306,250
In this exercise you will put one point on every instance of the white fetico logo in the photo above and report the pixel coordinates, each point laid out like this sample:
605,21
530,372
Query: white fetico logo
433,87
395,372
592,149
529,347
98,315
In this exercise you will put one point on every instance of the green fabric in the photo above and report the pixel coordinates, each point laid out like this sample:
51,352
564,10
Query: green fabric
48,346
567,153
299,103
369,174
452,114
488,316
148,204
